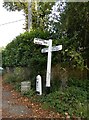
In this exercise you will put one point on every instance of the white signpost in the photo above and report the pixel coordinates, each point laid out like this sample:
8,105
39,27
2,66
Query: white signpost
49,50
41,42
54,48
48,73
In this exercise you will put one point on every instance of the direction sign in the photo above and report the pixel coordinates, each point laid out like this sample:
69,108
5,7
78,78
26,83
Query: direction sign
41,41
54,48
49,50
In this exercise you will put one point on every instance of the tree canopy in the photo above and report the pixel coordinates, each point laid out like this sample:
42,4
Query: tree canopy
73,29
40,12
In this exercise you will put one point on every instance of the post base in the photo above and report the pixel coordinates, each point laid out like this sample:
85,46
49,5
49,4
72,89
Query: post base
47,90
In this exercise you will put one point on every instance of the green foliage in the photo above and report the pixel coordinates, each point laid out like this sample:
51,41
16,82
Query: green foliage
17,86
10,78
55,85
30,93
22,51
18,75
72,30
12,6
40,12
1,49
72,100
15,77
83,84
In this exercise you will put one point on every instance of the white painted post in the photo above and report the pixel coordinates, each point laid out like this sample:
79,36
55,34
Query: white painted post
48,74
38,85
49,50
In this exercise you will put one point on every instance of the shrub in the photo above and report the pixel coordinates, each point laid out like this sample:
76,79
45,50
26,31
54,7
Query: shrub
22,51
9,78
78,83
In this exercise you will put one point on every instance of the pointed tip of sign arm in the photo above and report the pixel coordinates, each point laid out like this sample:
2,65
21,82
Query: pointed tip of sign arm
35,39
60,47
41,41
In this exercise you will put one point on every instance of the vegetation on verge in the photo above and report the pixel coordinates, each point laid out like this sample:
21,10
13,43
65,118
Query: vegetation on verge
71,100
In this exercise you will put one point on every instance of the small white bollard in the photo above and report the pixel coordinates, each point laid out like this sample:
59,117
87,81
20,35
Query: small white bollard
25,86
38,85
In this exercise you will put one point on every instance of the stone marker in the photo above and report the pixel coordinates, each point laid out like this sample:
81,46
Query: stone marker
25,86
